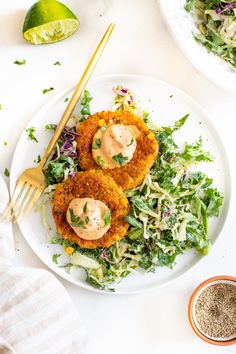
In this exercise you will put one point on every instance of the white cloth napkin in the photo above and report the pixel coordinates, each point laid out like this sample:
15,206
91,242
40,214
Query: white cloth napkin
37,315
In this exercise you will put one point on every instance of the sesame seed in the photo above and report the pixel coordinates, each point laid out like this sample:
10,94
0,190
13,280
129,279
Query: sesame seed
215,311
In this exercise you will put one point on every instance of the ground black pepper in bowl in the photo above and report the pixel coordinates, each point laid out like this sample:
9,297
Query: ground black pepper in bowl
215,311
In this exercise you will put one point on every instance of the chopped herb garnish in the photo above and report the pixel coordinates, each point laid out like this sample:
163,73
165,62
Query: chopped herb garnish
171,96
31,135
146,117
57,240
66,99
6,172
57,63
103,128
107,217
97,144
131,142
5,143
55,257
85,207
0,106
47,90
50,127
100,161
38,159
20,62
86,220
85,104
120,159
76,221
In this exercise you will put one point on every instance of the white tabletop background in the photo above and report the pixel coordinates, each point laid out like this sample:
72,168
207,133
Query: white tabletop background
154,322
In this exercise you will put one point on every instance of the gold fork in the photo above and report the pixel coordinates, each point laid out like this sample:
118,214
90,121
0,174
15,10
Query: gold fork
31,183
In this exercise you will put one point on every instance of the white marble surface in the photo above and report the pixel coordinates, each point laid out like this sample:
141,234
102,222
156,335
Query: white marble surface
153,322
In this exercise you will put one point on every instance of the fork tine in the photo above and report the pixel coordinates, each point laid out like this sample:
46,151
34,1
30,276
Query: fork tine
19,200
15,195
32,202
25,202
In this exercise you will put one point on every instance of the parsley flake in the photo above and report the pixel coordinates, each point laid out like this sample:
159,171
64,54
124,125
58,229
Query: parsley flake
50,126
107,217
66,99
85,106
57,63
85,207
38,159
76,221
97,144
47,90
100,161
5,143
146,117
6,172
131,142
103,128
55,257
20,62
31,135
120,159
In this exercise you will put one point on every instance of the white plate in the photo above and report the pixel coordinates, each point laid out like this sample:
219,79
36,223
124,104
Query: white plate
182,25
155,97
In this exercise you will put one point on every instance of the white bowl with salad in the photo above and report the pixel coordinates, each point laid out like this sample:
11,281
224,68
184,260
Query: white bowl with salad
206,33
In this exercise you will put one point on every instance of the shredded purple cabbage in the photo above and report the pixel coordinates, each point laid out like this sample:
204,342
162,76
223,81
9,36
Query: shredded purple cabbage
167,213
67,148
104,254
63,163
122,91
224,7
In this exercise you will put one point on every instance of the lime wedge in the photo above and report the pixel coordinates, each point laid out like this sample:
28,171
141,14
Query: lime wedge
49,21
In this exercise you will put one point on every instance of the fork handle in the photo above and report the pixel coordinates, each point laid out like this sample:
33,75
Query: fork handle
77,93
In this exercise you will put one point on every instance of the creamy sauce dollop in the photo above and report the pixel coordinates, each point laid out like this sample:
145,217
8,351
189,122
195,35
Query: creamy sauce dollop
114,146
89,218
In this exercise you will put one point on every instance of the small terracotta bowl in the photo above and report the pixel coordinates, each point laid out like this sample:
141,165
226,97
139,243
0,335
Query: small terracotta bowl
192,302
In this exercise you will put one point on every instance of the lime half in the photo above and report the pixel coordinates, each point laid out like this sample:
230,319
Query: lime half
49,21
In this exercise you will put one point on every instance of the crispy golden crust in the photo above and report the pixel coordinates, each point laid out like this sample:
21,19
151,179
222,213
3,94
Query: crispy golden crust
131,174
91,184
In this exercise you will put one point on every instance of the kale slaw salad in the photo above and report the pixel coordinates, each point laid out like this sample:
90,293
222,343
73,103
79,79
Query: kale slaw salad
169,210
216,22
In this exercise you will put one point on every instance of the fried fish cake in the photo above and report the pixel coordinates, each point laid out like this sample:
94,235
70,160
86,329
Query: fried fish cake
91,184
131,174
